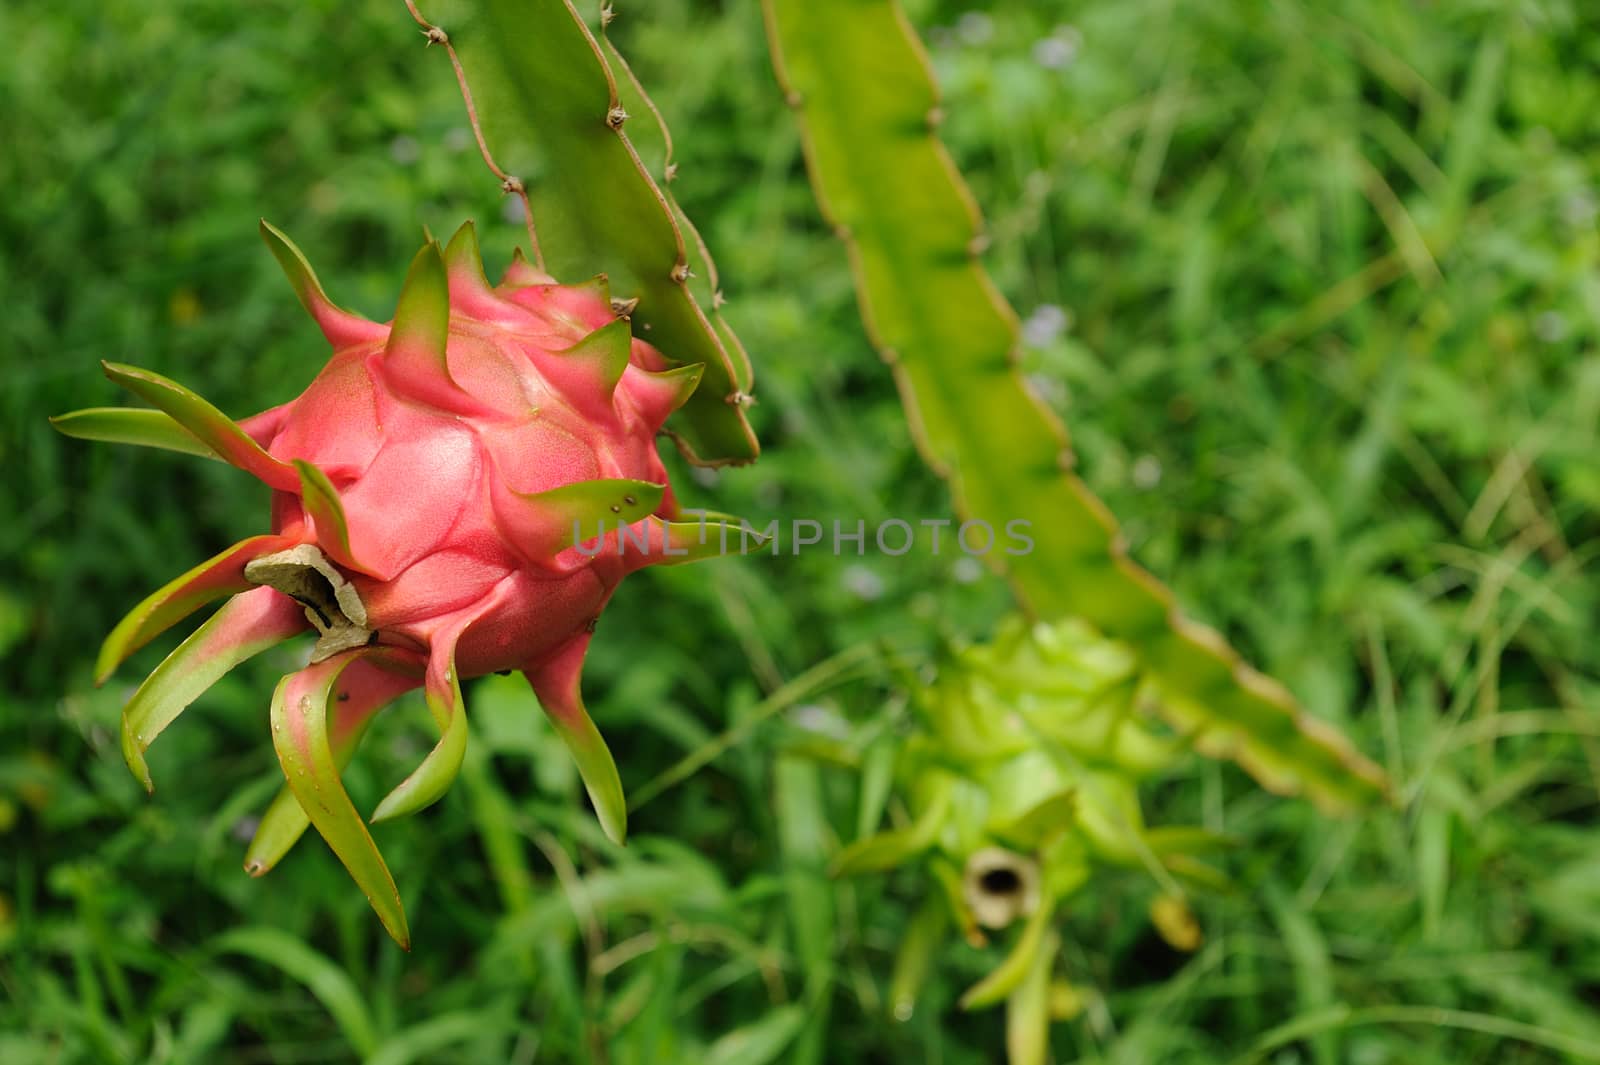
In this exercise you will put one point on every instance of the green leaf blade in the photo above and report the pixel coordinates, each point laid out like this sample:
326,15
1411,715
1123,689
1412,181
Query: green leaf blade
208,424
214,578
300,735
330,984
247,624
131,425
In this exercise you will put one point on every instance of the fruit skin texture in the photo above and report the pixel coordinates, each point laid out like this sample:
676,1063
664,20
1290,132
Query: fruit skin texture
457,492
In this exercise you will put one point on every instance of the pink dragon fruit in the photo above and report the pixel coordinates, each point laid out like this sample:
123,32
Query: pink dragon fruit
456,493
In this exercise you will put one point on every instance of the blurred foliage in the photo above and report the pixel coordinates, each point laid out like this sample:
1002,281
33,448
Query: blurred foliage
1317,288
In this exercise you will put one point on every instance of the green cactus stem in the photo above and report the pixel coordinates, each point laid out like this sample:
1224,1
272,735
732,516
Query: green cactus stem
549,114
858,79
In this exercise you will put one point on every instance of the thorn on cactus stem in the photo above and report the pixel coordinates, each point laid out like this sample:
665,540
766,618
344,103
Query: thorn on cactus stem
737,398
935,117
681,273
624,308
616,117
718,299
512,184
793,99
435,36
671,173
978,244
607,13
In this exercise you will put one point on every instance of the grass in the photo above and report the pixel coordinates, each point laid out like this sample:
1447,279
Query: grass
1330,275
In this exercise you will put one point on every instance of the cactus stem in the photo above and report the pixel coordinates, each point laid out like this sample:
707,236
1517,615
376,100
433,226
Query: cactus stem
545,53
435,35
1085,568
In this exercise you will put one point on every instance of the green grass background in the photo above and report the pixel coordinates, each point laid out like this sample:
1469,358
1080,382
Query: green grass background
1332,275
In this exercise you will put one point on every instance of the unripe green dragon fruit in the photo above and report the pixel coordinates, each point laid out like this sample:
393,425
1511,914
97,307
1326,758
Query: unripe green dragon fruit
1019,781
457,492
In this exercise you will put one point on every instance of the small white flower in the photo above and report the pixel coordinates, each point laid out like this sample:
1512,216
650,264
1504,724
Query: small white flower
863,583
1550,327
405,150
1047,322
1052,391
1053,53
823,720
967,570
1579,209
975,28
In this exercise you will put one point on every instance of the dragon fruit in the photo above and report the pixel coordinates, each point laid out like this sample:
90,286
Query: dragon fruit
457,492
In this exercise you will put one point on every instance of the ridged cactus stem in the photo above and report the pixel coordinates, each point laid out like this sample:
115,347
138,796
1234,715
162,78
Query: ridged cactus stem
549,113
857,77
509,183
